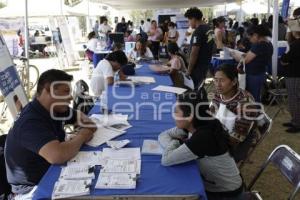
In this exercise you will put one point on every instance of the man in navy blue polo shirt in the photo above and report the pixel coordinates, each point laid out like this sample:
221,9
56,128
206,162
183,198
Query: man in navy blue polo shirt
37,138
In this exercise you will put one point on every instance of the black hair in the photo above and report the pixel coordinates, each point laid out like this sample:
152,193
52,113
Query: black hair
51,76
117,56
189,103
148,20
142,21
230,71
235,26
254,21
245,24
241,31
296,12
91,35
173,47
260,30
117,46
214,22
153,21
221,19
103,19
171,24
193,12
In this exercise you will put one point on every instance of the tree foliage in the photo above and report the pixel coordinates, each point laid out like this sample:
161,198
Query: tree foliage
138,15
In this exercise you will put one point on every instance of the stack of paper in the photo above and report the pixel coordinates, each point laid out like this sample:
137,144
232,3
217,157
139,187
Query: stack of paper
122,154
142,79
151,147
77,172
91,158
71,188
114,121
116,181
102,135
170,89
120,168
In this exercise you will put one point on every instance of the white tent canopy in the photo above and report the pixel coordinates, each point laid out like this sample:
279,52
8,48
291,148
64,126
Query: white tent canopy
90,8
36,8
156,4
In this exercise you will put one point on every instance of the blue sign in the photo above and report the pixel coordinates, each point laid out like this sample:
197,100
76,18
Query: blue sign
182,24
285,9
9,80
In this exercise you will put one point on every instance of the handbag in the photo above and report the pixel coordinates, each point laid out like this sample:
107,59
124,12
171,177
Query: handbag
242,74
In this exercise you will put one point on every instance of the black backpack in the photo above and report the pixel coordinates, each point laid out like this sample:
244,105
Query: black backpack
82,100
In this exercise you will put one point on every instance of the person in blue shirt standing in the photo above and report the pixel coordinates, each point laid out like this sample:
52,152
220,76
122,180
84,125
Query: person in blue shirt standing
37,138
201,46
257,59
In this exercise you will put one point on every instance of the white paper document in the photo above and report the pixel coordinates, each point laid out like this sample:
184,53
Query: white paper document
108,120
142,79
118,144
226,117
77,172
122,154
87,158
116,181
121,166
71,188
170,89
151,147
102,135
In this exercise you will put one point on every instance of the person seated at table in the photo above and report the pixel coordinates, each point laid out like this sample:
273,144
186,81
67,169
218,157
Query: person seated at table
117,47
229,98
199,136
37,138
105,71
140,50
91,45
172,35
128,37
257,59
177,61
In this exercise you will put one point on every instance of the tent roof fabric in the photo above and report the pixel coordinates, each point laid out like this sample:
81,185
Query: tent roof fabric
156,4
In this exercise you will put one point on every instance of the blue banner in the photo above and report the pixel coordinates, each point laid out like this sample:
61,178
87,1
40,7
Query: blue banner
285,9
9,80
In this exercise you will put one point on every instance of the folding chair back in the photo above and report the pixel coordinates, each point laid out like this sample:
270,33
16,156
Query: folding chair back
264,125
288,163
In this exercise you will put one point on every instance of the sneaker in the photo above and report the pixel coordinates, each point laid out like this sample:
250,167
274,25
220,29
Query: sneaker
287,124
293,130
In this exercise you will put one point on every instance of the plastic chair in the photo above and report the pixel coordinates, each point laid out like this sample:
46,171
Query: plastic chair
264,125
288,162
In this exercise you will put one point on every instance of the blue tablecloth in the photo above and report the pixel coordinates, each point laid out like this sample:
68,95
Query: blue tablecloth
151,114
97,57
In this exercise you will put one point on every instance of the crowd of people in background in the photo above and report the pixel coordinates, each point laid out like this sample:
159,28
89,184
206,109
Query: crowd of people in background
202,133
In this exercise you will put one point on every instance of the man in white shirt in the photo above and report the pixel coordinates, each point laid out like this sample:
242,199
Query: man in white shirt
104,27
147,26
104,72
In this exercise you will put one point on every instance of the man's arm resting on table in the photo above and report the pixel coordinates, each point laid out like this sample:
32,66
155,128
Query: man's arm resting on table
56,152
193,58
